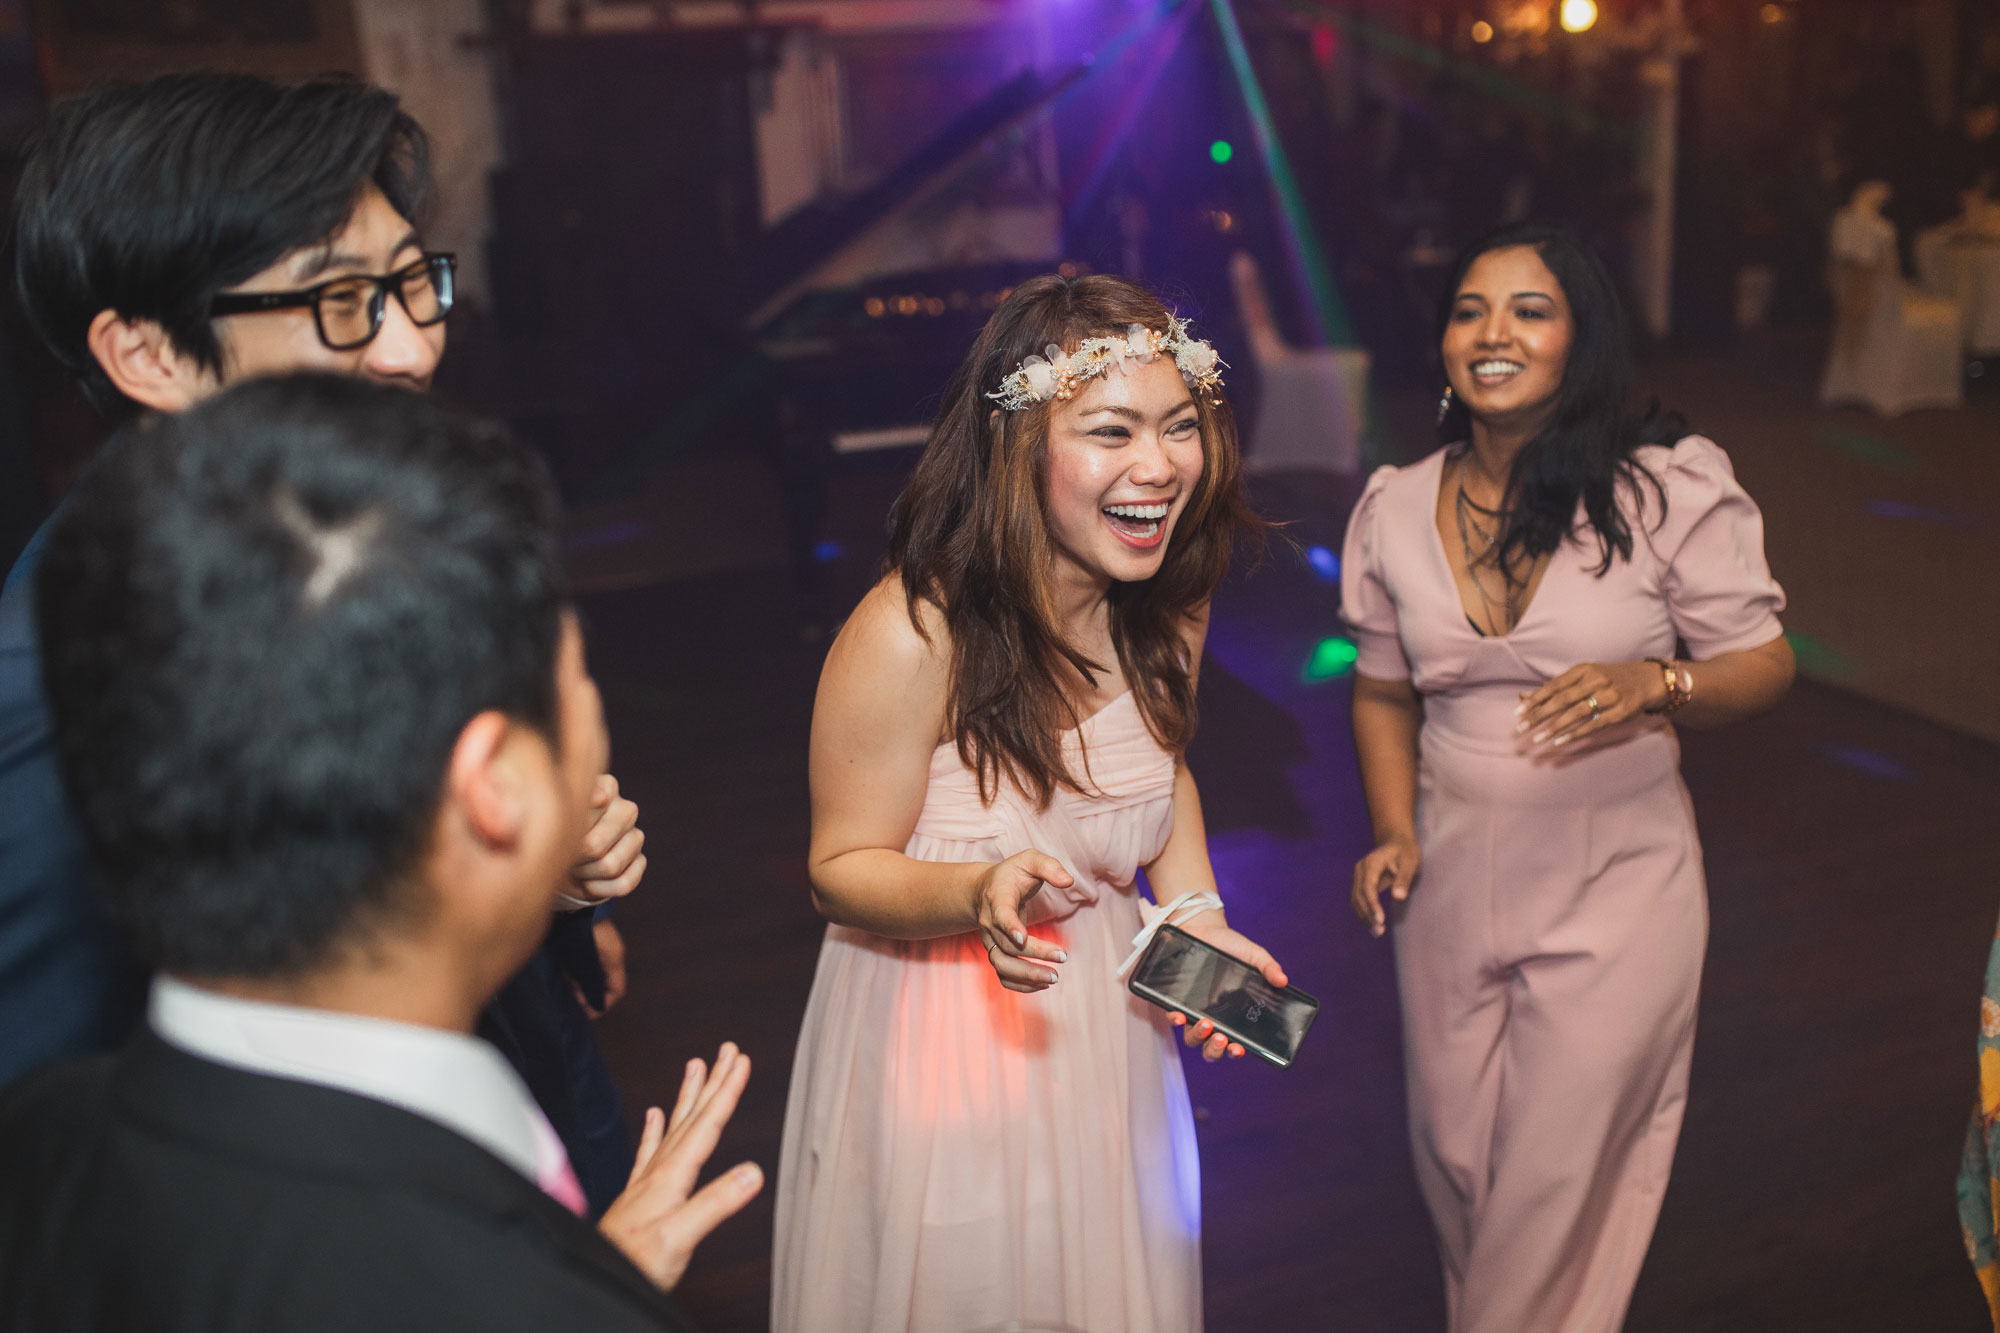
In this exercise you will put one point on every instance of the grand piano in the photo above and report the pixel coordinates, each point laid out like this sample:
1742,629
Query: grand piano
859,356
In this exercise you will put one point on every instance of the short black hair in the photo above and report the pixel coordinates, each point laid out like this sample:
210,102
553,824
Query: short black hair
264,623
150,198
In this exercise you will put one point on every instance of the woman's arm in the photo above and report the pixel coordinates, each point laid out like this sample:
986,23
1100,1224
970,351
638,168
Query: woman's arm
1733,686
876,720
1728,687
1387,716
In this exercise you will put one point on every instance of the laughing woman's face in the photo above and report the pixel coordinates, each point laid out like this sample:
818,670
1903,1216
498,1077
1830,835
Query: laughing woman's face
1508,340
1124,457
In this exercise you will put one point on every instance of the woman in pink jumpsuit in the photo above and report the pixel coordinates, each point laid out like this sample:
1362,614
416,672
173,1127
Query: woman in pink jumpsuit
1519,599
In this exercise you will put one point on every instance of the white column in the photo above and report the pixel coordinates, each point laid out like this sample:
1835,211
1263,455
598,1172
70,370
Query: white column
1659,157
417,49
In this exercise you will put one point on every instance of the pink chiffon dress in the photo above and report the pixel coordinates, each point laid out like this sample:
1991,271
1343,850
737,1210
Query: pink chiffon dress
1549,955
961,1157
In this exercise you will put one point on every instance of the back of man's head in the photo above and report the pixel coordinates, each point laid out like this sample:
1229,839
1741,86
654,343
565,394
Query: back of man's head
264,624
148,199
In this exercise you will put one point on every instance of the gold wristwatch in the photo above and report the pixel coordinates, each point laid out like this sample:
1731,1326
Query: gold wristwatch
1679,683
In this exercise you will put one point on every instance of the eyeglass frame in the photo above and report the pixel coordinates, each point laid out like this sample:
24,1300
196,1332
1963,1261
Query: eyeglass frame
386,285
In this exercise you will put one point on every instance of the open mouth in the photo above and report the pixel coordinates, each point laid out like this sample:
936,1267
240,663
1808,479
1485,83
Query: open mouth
1140,525
1495,370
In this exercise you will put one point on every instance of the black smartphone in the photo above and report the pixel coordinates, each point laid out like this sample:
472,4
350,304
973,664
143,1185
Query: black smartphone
1184,974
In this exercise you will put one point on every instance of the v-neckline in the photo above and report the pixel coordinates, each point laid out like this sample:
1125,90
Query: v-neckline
1443,456
1116,699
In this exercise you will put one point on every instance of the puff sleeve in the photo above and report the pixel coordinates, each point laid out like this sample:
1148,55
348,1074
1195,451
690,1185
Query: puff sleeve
1365,601
1710,545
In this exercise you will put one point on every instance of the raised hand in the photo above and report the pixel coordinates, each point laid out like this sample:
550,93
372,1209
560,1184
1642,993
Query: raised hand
660,1217
1019,959
610,863
1392,866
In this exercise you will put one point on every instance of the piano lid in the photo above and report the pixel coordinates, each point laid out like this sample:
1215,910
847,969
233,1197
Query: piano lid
812,241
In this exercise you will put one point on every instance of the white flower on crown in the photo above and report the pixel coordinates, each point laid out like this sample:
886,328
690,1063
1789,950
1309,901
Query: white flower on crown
1195,359
1060,374
1039,376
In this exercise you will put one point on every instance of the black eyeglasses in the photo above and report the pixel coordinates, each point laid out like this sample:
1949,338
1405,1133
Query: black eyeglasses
348,311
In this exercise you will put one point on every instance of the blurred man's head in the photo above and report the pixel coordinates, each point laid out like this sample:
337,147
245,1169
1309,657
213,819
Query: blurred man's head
317,692
141,205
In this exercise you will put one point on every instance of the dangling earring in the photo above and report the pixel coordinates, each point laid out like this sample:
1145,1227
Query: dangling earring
1444,405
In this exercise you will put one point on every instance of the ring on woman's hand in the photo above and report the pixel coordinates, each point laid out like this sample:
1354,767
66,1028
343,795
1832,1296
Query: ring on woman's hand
1595,711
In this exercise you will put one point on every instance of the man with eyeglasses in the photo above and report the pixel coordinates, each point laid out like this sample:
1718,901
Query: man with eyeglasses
174,238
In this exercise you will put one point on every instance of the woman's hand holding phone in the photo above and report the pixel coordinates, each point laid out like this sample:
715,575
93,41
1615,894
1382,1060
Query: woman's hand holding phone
1213,928
1019,959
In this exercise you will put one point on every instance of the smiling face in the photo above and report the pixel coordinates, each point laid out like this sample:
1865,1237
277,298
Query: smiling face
377,240
1507,340
1123,458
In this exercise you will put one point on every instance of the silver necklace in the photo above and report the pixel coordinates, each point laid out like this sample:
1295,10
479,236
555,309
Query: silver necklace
1508,608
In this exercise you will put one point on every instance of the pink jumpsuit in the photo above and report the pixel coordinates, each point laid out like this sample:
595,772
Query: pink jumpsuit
1549,956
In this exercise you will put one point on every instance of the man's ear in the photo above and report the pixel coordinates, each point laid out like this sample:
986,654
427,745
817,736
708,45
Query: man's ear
483,783
142,363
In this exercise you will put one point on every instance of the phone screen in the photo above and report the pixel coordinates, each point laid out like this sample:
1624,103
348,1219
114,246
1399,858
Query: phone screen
1181,972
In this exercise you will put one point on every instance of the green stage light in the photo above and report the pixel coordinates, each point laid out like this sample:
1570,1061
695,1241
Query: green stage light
1221,151
1330,658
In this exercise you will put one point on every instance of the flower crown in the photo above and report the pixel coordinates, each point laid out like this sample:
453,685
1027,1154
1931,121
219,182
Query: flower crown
1061,374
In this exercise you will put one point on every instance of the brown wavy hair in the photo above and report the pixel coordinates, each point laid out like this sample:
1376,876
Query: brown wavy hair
971,535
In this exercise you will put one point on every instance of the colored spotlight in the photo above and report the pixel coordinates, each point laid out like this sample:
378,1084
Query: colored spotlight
1482,32
825,552
1324,563
1578,15
1772,14
1221,151
1330,658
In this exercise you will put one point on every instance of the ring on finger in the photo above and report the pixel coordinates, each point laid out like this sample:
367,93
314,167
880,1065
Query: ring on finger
1595,711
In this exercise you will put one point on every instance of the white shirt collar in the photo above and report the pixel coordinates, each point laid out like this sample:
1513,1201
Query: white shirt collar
458,1081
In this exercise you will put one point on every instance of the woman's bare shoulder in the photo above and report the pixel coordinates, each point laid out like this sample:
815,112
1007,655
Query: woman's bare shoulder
881,641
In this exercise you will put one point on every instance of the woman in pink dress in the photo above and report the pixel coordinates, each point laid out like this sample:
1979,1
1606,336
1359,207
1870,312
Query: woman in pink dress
1519,599
985,1130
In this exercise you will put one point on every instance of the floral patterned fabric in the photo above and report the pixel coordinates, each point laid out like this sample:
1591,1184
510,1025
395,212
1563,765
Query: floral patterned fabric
1978,1185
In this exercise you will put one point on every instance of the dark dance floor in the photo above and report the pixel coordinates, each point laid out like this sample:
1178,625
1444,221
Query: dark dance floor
1854,876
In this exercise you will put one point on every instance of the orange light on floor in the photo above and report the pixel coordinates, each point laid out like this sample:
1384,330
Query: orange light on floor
1482,32
1578,15
1772,13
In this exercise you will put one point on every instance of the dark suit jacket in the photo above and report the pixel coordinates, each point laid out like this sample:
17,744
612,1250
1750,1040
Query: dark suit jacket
153,1189
63,990
66,989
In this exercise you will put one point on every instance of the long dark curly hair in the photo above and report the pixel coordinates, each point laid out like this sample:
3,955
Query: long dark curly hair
1586,450
971,535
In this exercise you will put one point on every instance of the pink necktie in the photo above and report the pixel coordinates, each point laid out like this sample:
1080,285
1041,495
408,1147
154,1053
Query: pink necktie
561,1185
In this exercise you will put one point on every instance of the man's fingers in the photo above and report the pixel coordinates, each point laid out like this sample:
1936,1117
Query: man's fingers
612,824
691,1081
614,861
604,791
724,1088
649,1143
689,1142
615,886
706,1209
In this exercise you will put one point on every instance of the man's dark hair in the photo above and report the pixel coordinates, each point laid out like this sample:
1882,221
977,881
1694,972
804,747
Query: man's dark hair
150,198
264,623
